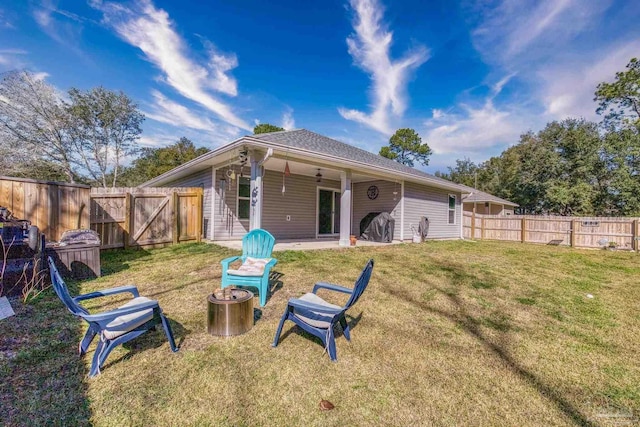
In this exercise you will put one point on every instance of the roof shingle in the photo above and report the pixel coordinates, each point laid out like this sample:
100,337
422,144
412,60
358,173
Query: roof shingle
311,141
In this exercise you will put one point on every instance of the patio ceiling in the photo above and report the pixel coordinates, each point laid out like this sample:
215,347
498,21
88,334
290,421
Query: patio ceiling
297,167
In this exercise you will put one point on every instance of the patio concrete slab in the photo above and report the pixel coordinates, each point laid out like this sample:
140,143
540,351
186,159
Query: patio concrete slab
305,244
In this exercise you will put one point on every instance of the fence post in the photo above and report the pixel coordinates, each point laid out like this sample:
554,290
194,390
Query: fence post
573,232
473,224
523,229
176,217
127,219
199,216
482,228
634,235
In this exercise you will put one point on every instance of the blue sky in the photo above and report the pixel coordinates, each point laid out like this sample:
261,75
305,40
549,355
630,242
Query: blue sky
470,77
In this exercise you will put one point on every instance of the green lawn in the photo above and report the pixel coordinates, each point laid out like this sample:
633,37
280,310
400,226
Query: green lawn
448,333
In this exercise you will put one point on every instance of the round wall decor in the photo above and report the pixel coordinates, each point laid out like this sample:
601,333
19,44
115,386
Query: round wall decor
372,192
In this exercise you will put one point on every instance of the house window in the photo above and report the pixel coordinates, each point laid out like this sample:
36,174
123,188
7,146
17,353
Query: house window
244,197
452,208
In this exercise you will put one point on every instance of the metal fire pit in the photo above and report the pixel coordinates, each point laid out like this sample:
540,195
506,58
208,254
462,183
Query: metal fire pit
230,312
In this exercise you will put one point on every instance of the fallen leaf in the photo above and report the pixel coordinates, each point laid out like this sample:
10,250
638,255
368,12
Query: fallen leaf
325,405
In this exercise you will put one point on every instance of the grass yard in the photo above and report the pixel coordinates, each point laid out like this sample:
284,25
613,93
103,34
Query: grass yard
448,333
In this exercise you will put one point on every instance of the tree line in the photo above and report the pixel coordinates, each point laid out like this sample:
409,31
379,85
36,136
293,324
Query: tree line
572,167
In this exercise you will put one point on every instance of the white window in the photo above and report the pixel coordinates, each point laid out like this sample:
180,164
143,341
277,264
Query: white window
452,208
244,197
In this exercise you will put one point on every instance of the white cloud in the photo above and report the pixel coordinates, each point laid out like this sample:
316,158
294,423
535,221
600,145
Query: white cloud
10,58
152,31
288,122
370,50
4,21
528,30
565,92
474,129
544,52
167,111
65,31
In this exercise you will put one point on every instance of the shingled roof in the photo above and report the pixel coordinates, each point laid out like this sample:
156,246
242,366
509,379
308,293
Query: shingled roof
310,141
481,197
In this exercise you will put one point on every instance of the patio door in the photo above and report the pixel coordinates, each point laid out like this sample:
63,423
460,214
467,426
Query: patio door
328,212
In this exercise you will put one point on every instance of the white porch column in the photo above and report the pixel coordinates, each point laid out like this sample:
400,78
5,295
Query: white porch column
402,211
345,207
255,209
213,198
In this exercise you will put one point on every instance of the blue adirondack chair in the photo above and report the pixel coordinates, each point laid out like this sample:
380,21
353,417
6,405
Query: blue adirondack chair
112,327
318,317
257,246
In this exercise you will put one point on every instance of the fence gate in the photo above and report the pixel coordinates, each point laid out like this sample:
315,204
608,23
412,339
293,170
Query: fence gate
125,217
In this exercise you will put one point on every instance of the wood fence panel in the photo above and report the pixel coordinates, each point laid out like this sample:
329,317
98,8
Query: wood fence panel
548,231
593,232
582,232
467,226
39,202
126,216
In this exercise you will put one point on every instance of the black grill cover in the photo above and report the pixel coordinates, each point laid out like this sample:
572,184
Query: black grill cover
423,227
377,227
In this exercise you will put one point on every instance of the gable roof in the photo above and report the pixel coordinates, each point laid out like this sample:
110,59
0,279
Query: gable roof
313,144
481,197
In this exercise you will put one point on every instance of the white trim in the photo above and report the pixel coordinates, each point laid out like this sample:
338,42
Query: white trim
346,208
333,212
402,210
212,221
238,197
455,202
461,218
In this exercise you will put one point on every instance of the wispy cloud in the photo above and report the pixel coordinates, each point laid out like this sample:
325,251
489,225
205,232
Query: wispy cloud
510,32
474,128
565,92
5,21
288,122
11,58
552,59
65,31
369,47
167,111
152,31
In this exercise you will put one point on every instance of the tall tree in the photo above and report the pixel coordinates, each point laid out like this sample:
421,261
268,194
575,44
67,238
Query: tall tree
105,129
34,125
406,147
620,100
156,161
465,172
266,128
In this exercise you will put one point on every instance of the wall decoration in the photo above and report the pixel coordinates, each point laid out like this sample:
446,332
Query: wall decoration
372,192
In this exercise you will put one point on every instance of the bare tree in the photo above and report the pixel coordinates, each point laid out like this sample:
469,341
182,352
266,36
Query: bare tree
33,123
105,129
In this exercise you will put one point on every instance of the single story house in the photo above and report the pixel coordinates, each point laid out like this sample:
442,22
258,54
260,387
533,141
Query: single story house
298,184
486,204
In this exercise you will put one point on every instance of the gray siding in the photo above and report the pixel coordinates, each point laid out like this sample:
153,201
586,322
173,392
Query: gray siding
299,201
362,205
434,204
226,225
200,179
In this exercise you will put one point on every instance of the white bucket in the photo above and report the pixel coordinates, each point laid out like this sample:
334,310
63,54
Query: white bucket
416,236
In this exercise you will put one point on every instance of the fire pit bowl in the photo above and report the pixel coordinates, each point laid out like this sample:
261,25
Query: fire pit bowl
230,312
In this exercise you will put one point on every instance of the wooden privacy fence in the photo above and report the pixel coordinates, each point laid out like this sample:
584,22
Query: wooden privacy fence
127,217
53,207
581,232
